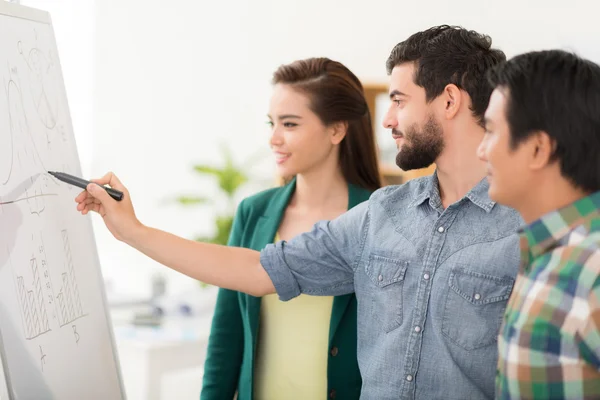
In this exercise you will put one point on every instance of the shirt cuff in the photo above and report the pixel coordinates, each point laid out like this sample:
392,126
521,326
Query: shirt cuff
273,261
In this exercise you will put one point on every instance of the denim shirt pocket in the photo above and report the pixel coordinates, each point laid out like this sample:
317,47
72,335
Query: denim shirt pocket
387,277
474,307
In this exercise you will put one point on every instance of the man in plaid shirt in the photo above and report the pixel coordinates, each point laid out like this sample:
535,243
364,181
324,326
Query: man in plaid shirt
542,147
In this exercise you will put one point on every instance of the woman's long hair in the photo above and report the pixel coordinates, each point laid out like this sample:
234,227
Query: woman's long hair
336,95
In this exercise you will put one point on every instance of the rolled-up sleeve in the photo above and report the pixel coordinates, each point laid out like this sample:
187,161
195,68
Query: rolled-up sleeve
320,262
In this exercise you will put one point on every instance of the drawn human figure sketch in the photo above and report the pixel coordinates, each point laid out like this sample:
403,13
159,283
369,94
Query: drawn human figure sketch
56,339
41,69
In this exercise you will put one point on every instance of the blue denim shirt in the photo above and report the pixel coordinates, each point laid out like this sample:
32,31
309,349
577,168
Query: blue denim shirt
431,284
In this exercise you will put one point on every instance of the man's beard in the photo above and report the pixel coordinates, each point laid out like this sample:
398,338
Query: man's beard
420,149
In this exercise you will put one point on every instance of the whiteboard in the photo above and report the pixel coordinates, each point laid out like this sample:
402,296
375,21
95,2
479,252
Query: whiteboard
56,339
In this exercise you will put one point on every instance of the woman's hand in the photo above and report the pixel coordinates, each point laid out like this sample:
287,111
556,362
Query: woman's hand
119,216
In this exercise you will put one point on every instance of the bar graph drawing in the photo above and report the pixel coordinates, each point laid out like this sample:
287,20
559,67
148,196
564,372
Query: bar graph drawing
68,300
33,309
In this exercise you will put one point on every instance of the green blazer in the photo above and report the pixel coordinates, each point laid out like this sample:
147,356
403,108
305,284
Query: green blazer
230,360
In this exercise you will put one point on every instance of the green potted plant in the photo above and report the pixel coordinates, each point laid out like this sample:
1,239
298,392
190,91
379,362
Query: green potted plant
230,177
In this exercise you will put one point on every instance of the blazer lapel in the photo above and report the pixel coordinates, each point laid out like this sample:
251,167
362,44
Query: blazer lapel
266,228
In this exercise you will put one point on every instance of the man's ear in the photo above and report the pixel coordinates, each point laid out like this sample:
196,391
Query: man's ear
452,98
541,148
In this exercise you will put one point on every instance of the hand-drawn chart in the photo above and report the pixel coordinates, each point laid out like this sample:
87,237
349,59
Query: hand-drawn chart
33,303
68,299
54,327
36,200
37,298
33,191
6,139
29,138
20,153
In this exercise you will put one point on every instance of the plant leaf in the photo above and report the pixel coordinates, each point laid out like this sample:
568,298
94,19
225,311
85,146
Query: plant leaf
191,200
231,180
206,169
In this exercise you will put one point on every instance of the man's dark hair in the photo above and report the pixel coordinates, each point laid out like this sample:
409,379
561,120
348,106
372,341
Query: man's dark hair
446,55
558,93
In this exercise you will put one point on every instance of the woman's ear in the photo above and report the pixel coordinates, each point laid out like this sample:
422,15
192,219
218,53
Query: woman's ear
338,131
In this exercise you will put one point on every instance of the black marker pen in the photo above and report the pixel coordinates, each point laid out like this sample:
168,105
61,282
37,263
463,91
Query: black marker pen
82,183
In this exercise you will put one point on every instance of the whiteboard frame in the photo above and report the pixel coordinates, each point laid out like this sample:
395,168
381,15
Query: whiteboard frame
35,15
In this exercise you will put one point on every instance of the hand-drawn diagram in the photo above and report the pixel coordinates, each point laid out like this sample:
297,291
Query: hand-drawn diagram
22,149
32,299
36,200
28,139
38,301
33,191
18,127
53,320
30,136
41,71
69,302
6,138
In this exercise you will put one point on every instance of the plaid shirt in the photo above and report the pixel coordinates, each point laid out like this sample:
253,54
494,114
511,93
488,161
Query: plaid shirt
549,343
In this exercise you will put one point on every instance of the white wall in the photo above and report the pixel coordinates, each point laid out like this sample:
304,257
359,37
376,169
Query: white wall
173,78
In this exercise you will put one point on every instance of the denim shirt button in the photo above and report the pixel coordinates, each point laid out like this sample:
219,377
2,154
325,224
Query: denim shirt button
426,277
441,229
417,329
477,296
380,277
409,378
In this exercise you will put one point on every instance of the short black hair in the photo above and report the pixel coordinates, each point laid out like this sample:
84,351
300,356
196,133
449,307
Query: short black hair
446,55
556,92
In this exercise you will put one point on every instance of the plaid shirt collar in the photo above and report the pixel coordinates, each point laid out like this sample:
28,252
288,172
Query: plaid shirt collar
542,235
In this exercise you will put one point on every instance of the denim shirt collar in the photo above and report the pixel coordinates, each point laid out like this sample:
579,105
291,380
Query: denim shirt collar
478,195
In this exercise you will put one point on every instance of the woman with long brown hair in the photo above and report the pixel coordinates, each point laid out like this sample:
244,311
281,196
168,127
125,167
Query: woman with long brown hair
324,148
